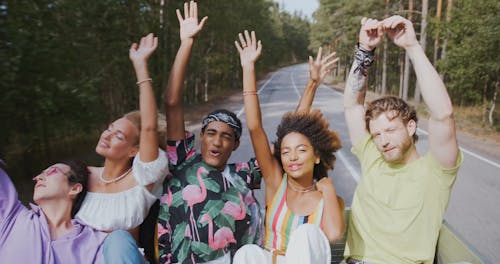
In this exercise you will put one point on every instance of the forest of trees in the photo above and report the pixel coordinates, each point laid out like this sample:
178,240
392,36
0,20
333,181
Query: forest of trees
461,38
66,73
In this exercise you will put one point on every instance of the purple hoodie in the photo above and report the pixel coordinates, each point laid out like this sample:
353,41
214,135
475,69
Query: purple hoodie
25,235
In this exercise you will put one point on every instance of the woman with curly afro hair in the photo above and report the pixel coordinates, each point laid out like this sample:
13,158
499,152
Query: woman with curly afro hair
303,213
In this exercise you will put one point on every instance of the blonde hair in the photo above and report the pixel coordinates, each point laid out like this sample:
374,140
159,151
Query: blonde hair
135,118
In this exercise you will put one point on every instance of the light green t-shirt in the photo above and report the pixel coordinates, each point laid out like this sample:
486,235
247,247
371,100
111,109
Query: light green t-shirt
397,210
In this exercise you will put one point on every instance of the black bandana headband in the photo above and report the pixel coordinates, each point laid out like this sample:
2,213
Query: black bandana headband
222,117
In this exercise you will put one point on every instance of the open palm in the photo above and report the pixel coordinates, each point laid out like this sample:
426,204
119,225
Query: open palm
189,26
320,67
249,48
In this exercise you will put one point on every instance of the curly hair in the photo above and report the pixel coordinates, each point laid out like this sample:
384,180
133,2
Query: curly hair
397,107
315,127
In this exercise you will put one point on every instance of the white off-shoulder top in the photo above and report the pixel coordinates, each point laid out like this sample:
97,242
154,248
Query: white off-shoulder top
128,209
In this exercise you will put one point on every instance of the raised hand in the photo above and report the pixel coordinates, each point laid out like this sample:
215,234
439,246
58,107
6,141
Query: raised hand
371,33
320,67
189,26
249,48
140,53
325,185
401,31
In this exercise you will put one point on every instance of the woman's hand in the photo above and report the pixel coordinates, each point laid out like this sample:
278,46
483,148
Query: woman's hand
325,185
189,26
249,48
140,53
320,67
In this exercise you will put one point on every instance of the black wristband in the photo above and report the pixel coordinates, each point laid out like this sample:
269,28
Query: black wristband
363,58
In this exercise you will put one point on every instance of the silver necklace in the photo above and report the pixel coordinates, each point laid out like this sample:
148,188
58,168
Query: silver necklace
302,189
101,177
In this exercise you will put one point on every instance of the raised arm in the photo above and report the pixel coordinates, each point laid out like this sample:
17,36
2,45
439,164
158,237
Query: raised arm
188,29
250,50
317,71
370,36
442,136
8,196
139,55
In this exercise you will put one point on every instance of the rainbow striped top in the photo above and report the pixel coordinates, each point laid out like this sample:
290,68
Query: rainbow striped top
281,221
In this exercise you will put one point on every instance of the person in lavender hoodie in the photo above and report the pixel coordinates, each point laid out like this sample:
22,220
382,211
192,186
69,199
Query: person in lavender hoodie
47,233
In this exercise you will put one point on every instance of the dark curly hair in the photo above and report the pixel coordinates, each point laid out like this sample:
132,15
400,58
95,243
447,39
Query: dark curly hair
315,127
397,108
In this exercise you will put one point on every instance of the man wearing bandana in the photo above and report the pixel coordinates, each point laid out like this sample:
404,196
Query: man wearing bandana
208,208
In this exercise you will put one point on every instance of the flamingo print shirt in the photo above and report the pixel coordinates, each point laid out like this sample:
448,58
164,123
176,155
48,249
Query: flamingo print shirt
206,213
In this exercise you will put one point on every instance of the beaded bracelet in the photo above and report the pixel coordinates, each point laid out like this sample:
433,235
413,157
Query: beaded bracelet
363,58
143,81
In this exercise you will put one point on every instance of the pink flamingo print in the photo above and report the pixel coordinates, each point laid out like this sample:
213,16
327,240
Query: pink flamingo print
221,238
194,194
187,233
238,212
161,230
249,198
241,166
167,198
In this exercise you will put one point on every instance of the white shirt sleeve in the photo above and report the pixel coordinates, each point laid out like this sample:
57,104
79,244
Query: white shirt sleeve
154,171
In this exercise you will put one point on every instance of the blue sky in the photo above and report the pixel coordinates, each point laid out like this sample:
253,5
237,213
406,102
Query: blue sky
307,7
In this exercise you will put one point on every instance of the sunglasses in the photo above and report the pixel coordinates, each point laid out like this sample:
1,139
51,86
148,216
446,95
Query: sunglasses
52,171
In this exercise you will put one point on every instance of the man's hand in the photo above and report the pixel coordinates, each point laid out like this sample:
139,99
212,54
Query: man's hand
189,26
401,31
371,33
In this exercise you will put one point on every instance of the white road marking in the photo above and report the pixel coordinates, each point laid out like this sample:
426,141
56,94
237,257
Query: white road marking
295,86
348,165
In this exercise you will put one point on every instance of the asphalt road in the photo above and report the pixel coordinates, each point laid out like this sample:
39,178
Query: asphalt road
473,211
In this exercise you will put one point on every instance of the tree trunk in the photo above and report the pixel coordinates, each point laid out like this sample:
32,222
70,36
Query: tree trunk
436,36
492,108
448,19
205,87
384,58
423,42
406,76
401,76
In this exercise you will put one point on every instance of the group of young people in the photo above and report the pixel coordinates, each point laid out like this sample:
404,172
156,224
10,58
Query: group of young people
208,212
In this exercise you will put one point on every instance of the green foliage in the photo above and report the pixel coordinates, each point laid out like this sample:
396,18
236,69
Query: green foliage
471,66
66,72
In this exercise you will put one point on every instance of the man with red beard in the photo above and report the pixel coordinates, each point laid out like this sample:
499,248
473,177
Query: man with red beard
401,198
